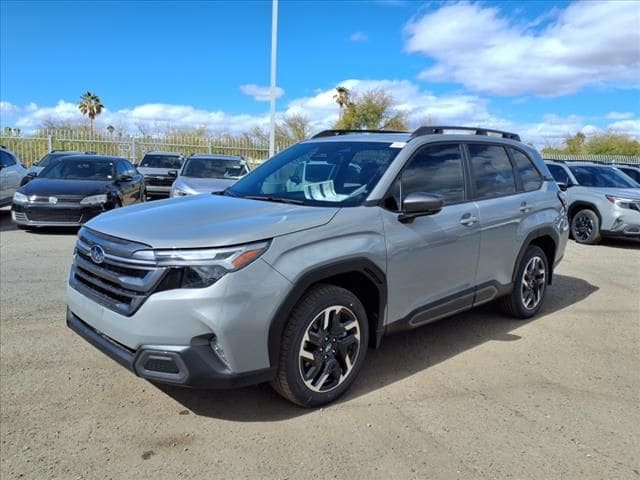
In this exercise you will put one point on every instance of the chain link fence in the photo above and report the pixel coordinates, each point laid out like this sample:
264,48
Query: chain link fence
33,147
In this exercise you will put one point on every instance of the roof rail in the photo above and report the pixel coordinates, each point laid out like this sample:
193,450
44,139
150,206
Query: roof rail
439,129
335,133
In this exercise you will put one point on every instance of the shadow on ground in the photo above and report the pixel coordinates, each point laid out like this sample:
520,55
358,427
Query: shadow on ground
400,356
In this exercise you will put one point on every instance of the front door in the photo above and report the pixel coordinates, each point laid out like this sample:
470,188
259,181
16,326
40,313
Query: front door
432,260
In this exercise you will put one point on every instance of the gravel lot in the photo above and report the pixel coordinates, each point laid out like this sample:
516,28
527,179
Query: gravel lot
474,396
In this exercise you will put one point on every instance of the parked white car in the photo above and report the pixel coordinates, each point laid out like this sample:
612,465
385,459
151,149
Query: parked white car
208,173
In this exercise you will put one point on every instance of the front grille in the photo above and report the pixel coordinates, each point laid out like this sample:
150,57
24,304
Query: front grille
159,181
57,215
60,199
119,282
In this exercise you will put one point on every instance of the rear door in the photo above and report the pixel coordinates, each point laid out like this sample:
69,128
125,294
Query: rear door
432,260
502,206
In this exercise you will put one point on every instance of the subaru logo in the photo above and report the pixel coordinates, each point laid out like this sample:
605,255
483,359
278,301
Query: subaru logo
97,254
53,200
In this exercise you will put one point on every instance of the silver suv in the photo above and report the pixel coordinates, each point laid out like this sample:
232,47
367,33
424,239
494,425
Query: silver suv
11,173
603,201
289,278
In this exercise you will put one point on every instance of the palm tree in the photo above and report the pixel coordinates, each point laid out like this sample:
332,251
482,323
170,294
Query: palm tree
342,98
91,106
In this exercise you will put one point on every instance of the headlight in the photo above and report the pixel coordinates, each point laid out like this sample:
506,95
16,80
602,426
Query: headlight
622,202
94,199
20,198
178,193
201,268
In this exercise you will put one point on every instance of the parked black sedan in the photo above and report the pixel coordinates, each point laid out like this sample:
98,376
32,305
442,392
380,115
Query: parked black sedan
75,189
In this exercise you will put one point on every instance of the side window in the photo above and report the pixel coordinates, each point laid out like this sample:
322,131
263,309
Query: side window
129,168
560,175
491,171
435,169
121,168
6,159
531,178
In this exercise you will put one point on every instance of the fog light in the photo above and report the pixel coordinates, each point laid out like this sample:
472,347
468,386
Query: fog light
215,346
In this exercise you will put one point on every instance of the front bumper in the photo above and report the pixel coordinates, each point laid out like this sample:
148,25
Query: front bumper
189,366
39,215
623,223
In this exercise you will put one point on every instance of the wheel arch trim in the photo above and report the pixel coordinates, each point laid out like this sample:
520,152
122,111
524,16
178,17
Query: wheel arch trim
530,238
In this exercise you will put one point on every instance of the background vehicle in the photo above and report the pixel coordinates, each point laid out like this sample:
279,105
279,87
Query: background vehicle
53,156
160,171
208,173
602,200
289,278
76,188
11,172
630,170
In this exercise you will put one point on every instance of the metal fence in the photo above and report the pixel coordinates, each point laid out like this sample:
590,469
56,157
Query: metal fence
31,148
626,159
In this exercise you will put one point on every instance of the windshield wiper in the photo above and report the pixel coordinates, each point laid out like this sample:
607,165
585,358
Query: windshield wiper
269,198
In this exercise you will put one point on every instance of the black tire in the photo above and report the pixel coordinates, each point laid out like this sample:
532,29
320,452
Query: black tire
303,323
519,303
585,227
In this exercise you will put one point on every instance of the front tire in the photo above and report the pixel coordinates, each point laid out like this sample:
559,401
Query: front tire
585,227
324,345
529,287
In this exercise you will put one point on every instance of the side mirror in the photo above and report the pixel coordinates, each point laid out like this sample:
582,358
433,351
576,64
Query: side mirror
563,186
123,178
173,173
419,204
32,174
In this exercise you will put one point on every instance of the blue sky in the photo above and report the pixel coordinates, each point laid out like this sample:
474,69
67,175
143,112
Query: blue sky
544,68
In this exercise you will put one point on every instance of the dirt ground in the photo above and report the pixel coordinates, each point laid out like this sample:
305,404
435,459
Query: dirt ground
475,396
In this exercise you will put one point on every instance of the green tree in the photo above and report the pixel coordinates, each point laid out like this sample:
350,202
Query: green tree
372,110
91,106
603,143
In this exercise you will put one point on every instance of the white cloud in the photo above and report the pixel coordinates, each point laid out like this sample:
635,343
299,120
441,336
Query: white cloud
358,37
8,109
261,94
322,110
619,115
587,43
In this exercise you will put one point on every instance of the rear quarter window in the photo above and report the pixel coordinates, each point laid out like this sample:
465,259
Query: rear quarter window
529,174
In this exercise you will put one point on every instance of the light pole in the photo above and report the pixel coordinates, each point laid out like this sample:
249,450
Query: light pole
274,45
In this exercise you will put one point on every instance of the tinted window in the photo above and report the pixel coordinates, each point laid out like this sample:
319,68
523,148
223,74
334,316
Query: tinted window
162,161
6,159
560,175
531,178
121,169
633,173
79,170
129,168
491,170
595,176
435,169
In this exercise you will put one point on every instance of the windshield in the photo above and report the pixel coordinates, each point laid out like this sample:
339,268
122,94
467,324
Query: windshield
79,170
319,173
214,168
49,157
593,176
162,161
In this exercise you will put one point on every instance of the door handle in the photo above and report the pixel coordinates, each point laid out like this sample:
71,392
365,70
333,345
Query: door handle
468,220
524,208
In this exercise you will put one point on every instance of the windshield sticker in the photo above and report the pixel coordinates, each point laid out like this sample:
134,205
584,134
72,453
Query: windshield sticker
398,145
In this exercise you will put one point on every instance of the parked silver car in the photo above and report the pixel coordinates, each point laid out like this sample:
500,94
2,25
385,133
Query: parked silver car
289,278
159,170
602,200
11,173
208,173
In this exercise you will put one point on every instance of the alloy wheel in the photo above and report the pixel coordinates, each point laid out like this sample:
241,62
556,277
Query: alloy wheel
583,227
534,277
329,348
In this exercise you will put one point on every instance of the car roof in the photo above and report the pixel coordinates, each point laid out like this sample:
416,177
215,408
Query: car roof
216,156
167,154
84,157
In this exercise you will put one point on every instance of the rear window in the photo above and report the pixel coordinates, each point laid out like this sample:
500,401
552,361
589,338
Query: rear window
531,178
161,161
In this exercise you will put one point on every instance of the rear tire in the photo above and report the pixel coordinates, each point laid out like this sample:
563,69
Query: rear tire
529,286
323,348
585,227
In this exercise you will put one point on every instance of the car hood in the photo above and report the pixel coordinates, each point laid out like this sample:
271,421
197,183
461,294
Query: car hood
208,221
156,171
203,185
618,192
49,186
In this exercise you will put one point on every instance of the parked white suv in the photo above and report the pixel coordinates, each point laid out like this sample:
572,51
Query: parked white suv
11,174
